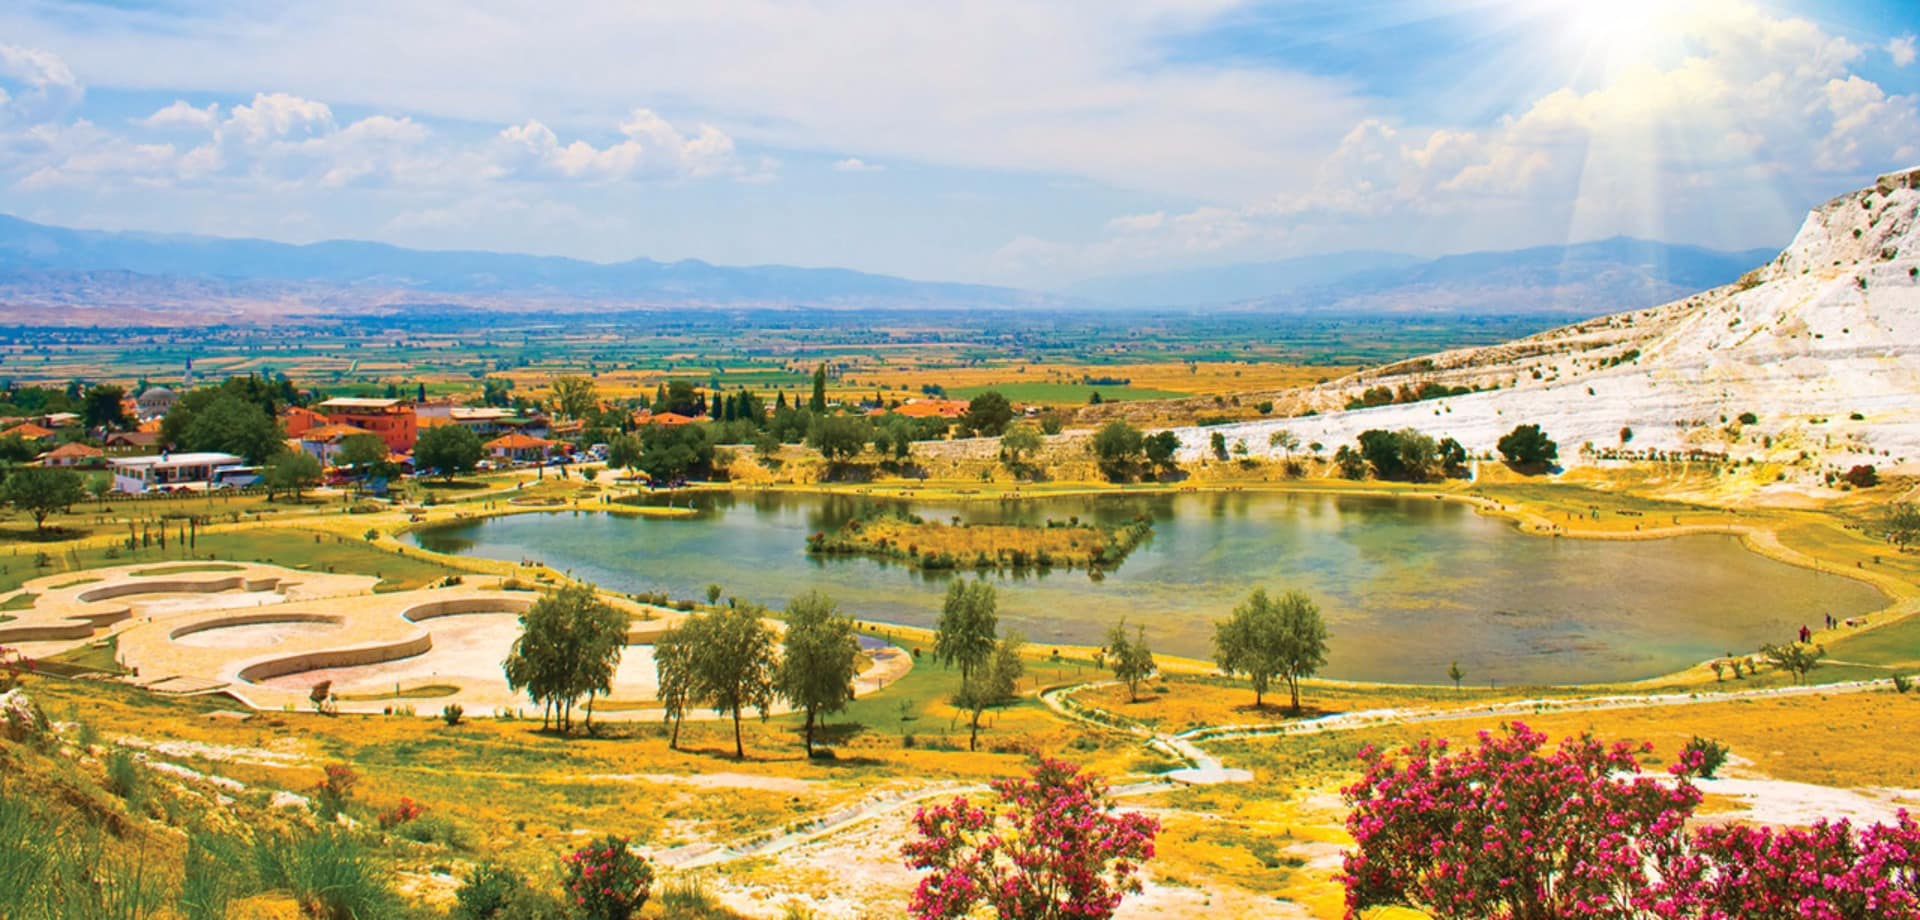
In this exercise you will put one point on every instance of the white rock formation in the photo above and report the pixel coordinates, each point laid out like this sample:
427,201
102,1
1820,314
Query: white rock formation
1821,345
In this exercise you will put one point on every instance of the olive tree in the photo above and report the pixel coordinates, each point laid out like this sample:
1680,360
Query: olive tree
819,659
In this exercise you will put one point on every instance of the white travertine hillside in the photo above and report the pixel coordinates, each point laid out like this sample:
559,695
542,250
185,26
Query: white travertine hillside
1822,345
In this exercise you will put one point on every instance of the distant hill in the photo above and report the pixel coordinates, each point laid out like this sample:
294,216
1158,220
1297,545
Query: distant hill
1224,284
1809,361
1602,276
37,256
58,275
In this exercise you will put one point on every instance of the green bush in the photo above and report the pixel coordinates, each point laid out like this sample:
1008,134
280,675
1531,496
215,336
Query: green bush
331,871
123,775
500,893
1713,755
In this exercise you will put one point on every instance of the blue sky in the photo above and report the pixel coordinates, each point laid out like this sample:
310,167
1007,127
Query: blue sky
1026,143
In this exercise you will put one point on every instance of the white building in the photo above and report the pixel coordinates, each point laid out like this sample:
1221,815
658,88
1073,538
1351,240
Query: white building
172,471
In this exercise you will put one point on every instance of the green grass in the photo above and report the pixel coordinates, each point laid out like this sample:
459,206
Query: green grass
1064,393
103,655
1893,644
23,601
288,547
423,692
186,567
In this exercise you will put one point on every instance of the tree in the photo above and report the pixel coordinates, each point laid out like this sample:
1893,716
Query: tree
1528,446
988,414
1795,658
673,670
733,663
1455,674
1217,442
1130,659
1405,454
1901,523
1050,847
1453,458
1019,445
231,424
569,646
668,452
1351,463
40,491
623,453
969,621
1284,441
840,438
1159,449
291,471
1117,448
1268,638
496,392
103,406
448,449
366,453
994,682
819,663
575,396
818,402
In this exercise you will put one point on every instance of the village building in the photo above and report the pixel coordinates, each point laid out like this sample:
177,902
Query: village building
28,431
173,471
74,455
521,448
323,442
154,403
131,442
392,420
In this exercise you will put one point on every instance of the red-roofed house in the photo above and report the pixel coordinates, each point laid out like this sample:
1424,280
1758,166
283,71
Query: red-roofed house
74,454
324,441
28,431
520,447
670,419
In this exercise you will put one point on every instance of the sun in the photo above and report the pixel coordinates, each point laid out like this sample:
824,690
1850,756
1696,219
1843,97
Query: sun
1620,33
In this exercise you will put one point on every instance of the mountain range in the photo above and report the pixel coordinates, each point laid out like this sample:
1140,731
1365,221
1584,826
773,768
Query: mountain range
59,275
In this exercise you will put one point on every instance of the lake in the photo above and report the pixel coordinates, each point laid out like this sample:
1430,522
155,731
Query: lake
1407,585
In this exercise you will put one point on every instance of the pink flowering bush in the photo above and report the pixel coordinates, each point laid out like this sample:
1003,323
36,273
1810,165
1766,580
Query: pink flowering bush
1511,830
607,881
1050,848
1829,872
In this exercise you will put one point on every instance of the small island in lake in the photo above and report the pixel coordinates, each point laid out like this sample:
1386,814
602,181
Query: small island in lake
923,544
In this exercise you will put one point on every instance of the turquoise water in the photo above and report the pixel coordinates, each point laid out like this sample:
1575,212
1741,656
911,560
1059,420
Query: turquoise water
1407,585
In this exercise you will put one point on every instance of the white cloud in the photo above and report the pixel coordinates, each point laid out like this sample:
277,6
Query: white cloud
42,85
856,165
652,149
1902,50
1759,103
181,116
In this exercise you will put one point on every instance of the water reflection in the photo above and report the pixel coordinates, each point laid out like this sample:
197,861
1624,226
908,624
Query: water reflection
1408,585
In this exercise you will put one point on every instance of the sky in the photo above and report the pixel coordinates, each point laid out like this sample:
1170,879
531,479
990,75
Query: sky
1020,142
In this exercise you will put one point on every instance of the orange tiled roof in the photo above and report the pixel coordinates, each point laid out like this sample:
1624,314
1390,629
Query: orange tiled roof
72,449
517,441
28,430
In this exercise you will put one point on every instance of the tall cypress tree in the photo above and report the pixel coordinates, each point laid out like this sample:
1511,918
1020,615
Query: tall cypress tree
819,401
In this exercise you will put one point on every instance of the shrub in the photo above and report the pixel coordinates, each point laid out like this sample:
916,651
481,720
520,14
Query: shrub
1902,683
452,713
336,787
1052,846
123,775
402,813
1862,476
606,880
1709,754
487,893
330,873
